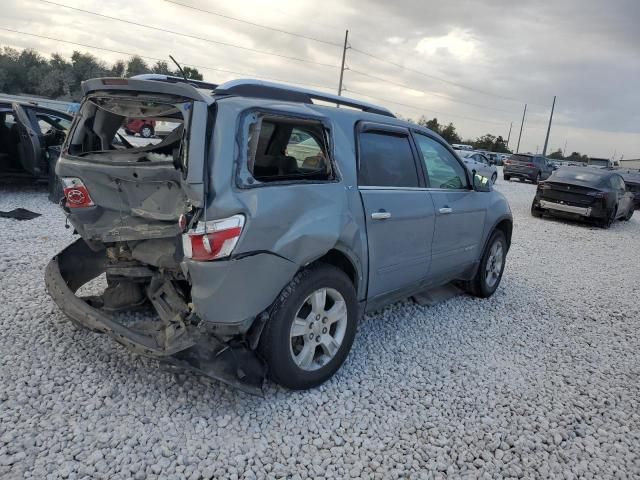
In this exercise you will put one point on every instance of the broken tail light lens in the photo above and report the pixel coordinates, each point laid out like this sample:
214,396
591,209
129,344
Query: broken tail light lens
75,193
213,239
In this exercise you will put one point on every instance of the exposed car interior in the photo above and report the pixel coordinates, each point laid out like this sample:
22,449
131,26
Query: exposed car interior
282,149
101,137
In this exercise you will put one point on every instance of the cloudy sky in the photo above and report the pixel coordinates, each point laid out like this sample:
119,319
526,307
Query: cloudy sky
473,62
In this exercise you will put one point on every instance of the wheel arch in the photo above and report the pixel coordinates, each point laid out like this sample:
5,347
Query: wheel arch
344,261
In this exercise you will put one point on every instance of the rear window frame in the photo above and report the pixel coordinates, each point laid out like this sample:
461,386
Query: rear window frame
78,117
244,178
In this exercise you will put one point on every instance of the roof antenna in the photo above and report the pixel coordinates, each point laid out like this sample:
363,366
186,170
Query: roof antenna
184,75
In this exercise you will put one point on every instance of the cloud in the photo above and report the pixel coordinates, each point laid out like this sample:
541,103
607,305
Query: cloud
507,54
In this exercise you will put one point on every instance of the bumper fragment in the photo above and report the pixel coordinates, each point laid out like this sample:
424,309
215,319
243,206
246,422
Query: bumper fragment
171,340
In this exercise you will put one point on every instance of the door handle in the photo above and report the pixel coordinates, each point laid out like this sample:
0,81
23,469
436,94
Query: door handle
445,210
381,215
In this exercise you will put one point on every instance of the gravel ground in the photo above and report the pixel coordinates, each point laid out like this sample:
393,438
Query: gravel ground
540,381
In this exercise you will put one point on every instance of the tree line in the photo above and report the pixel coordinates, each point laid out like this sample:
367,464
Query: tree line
29,73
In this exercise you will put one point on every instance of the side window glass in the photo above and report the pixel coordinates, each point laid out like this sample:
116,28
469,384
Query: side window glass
443,169
386,160
282,149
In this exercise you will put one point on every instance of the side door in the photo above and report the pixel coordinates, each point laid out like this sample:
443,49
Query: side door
460,211
398,209
29,148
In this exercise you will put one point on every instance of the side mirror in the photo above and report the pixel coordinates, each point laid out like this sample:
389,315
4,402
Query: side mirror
480,183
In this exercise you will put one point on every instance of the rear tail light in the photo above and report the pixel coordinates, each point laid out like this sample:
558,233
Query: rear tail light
507,162
213,239
75,193
531,165
543,186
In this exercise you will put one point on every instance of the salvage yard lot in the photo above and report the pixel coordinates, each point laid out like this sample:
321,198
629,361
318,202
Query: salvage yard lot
542,377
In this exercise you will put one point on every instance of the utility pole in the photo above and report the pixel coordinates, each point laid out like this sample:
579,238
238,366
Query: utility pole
521,125
564,152
509,137
344,56
546,140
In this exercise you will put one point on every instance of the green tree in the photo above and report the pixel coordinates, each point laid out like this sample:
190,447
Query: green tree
162,68
118,70
192,73
449,134
137,66
557,155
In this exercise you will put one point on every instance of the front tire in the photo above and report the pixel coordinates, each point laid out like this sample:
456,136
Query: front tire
629,214
489,274
311,328
494,178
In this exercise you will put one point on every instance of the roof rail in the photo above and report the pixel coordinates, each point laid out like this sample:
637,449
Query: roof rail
287,93
171,79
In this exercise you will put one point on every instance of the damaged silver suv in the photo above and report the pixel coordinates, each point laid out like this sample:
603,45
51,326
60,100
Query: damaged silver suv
258,231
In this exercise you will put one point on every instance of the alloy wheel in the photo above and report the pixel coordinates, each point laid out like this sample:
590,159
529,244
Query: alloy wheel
318,329
494,264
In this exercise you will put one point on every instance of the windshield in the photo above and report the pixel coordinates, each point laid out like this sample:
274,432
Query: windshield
599,163
130,128
521,158
577,175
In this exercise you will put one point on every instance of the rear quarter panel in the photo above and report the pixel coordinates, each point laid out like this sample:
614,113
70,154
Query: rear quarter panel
297,221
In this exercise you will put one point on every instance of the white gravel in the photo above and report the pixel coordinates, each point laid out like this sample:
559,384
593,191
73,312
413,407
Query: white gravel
542,380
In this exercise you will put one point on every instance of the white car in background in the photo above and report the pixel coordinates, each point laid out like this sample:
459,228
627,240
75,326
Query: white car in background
480,163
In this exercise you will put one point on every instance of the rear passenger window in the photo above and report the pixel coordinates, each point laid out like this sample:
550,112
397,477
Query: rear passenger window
283,149
386,160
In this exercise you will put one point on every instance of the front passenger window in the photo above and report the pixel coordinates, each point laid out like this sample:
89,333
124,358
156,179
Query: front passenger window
443,169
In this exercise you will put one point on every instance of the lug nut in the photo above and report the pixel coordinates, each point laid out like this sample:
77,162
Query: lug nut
318,317
311,336
324,320
324,330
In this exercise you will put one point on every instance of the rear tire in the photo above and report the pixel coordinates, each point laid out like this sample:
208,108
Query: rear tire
538,178
494,178
536,211
629,214
489,274
507,178
607,222
308,353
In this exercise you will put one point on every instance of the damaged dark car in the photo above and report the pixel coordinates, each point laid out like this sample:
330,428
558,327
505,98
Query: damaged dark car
30,140
580,193
256,255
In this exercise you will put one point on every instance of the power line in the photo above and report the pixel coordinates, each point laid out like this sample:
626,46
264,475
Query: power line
434,77
420,109
121,52
447,97
186,35
235,19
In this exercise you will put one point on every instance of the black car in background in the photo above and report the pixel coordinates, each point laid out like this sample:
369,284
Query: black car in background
584,193
527,167
632,181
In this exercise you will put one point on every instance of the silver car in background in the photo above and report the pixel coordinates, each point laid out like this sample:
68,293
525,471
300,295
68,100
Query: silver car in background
480,163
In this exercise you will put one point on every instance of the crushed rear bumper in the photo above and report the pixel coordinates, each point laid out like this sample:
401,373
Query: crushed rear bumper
182,342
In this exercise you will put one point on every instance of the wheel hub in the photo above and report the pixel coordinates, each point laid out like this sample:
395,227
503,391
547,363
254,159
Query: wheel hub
318,329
